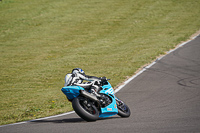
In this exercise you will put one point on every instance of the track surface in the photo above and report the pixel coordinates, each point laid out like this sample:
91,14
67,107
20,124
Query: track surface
164,98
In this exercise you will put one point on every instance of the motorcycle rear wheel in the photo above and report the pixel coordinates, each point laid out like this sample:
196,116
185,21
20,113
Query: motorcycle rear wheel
87,111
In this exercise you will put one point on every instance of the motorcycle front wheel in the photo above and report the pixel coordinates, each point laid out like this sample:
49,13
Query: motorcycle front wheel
85,109
123,109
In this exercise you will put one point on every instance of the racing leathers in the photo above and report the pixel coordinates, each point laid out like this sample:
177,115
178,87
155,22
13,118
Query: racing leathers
77,79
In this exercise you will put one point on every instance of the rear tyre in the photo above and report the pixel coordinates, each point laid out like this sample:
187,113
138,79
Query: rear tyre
85,109
123,109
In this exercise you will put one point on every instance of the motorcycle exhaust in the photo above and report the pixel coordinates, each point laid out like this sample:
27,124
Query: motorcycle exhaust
88,95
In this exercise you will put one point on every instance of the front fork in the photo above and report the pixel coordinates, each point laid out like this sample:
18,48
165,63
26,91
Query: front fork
119,102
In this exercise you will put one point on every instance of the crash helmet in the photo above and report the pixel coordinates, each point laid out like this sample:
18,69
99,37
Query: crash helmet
78,70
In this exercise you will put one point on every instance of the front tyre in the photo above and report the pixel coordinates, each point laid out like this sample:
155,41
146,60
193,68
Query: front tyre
123,109
85,109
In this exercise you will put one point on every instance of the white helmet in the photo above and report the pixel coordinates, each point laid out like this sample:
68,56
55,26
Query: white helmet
78,70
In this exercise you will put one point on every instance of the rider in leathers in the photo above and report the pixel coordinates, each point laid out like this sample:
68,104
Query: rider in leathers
78,75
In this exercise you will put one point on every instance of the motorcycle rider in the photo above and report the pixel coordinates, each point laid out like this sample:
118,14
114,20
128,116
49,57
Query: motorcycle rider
78,75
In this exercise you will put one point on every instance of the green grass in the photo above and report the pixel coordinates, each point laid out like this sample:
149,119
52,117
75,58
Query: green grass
41,41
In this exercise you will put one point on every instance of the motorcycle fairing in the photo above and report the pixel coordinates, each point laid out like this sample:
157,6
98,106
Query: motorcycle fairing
72,91
111,109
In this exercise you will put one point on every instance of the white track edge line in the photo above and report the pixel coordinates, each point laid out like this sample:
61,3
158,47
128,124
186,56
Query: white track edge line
116,90
23,122
150,65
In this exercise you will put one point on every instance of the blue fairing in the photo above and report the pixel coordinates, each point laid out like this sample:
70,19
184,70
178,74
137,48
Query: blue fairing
111,109
71,91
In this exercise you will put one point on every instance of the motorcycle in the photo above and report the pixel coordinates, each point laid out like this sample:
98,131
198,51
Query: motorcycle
91,105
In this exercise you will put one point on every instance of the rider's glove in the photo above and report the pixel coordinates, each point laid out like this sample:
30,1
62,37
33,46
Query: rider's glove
103,79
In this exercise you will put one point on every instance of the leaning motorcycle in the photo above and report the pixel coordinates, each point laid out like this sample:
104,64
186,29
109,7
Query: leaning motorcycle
90,105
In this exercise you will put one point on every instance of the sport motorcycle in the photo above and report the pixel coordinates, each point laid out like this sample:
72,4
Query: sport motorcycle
91,104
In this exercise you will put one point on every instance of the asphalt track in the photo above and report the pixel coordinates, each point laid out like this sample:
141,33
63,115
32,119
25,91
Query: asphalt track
163,98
